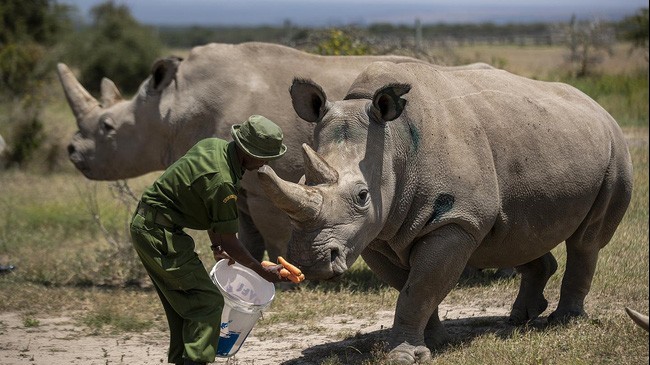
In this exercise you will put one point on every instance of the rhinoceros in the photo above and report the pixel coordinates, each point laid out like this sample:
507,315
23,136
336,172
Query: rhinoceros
184,101
422,171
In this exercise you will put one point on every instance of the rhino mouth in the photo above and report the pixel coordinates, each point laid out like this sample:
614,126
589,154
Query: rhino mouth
79,162
328,264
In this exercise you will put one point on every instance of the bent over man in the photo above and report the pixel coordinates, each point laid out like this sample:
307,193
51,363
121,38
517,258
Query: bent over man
199,191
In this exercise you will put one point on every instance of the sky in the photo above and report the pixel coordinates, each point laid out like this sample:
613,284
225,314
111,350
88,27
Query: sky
363,12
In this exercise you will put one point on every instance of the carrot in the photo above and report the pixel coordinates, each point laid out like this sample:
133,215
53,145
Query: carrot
293,269
301,277
295,279
284,273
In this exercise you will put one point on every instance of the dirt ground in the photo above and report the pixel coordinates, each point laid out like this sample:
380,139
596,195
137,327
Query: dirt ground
58,341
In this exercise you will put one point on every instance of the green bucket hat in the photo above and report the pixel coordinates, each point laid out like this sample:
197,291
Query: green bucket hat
259,137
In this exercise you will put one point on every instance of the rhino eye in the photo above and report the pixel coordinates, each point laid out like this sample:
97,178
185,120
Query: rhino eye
362,197
107,124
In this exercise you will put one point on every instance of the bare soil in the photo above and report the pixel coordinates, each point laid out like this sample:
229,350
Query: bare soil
58,341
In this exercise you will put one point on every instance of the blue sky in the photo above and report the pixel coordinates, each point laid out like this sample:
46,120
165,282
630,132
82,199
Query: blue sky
341,12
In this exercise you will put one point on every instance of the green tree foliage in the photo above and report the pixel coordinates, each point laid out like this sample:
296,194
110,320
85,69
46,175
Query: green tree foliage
29,31
635,29
115,46
339,43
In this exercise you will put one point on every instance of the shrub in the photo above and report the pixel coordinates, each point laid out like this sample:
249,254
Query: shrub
339,43
114,46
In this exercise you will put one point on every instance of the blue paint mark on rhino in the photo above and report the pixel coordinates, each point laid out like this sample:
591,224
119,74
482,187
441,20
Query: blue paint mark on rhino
443,204
415,136
342,133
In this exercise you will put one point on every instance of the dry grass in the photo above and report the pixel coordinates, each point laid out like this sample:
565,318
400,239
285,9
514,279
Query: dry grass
545,62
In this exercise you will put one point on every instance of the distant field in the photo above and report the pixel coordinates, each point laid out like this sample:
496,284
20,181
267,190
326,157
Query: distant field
548,62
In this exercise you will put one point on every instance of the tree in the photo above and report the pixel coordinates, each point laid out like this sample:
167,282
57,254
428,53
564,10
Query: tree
29,32
587,40
635,29
338,42
115,46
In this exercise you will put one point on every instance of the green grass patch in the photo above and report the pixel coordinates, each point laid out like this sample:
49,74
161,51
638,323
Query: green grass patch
624,96
29,321
114,318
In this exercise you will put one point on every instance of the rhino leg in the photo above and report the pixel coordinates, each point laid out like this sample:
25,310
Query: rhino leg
272,223
382,266
435,334
594,233
262,226
580,269
530,302
248,234
437,261
401,353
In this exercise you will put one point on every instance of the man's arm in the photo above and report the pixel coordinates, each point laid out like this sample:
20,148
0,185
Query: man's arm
235,249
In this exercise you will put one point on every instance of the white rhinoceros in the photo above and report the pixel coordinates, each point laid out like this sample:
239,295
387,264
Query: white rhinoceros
184,101
422,171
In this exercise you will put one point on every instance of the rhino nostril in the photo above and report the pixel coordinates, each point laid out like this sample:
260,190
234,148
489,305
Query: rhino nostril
334,254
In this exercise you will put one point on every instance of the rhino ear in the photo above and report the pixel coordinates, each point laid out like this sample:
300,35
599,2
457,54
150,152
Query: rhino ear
308,99
387,101
163,72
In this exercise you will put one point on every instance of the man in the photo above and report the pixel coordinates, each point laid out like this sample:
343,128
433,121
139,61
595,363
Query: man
199,191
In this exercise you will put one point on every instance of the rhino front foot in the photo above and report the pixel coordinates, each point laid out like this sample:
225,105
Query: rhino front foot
407,354
563,316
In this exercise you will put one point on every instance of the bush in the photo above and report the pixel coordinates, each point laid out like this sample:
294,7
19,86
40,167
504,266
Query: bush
114,46
339,43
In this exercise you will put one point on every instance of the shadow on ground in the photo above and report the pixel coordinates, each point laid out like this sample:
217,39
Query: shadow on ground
371,347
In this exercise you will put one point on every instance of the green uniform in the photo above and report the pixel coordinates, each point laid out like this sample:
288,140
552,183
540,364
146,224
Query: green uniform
199,191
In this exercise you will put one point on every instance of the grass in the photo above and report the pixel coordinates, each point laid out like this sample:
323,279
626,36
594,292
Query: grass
624,96
66,263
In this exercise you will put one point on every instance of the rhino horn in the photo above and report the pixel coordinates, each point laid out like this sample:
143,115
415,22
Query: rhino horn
300,202
110,93
317,170
80,100
638,318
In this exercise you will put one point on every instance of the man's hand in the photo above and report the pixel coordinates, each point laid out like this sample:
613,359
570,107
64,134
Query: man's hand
220,254
222,242
284,270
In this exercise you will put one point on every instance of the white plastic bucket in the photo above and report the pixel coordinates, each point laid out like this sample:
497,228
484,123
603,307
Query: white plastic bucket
245,295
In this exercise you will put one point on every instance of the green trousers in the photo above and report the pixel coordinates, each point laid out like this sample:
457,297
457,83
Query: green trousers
191,301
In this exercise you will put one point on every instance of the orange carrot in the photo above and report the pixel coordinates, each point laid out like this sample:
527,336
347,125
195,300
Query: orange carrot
293,269
295,279
284,273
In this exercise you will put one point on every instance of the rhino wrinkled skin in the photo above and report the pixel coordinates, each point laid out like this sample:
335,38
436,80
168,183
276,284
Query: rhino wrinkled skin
184,101
422,171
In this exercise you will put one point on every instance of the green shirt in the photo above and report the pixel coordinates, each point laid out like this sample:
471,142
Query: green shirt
199,190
